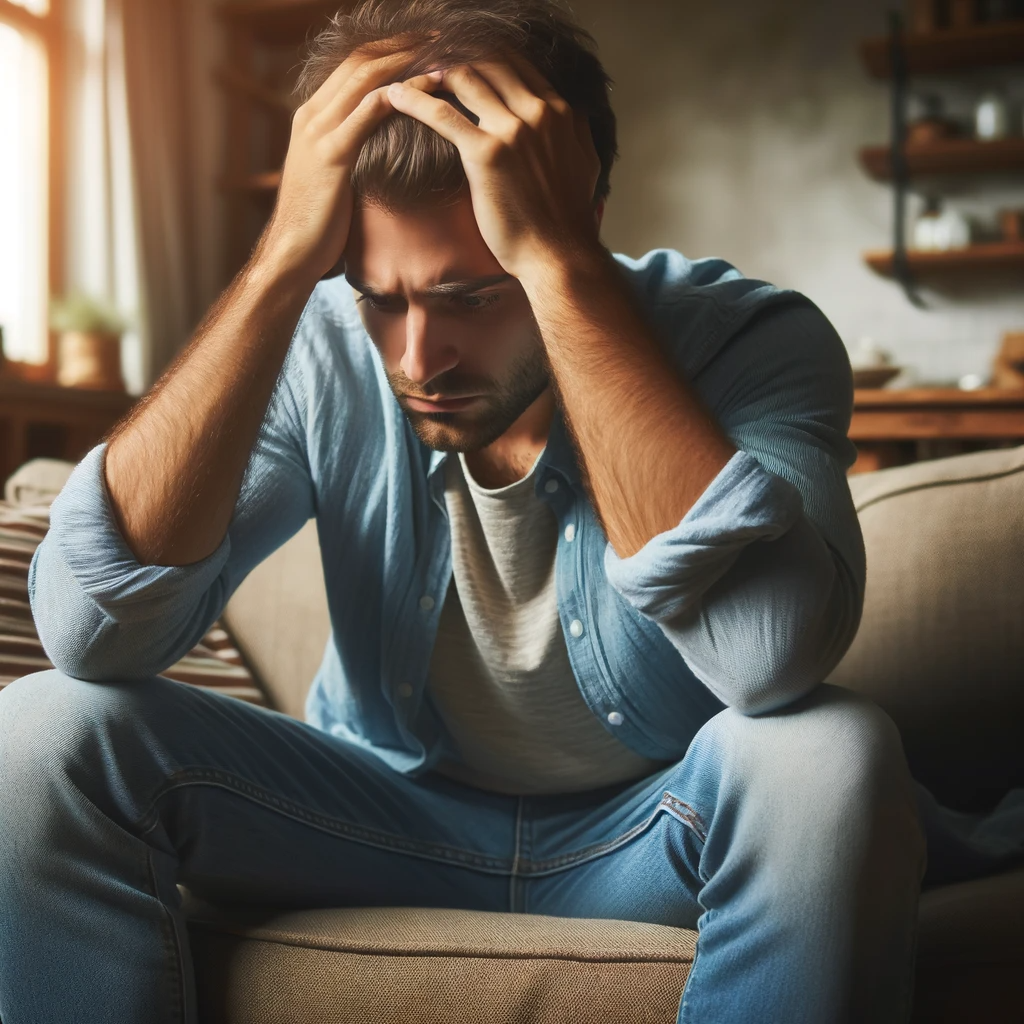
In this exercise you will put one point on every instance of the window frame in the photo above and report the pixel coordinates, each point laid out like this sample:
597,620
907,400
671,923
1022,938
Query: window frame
48,29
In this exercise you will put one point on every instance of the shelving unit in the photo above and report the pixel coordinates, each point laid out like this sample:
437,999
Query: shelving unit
264,44
942,51
992,256
948,157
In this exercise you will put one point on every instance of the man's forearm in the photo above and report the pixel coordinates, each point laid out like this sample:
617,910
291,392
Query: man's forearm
649,448
174,468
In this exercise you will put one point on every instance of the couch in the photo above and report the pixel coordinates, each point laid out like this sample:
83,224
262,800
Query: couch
941,649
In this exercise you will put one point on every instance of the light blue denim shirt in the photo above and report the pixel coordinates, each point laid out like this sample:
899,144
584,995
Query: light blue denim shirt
749,601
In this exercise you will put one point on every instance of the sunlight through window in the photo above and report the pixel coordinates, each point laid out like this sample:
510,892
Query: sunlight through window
23,177
40,7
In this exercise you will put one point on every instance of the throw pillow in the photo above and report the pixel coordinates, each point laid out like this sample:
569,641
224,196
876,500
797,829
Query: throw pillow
214,662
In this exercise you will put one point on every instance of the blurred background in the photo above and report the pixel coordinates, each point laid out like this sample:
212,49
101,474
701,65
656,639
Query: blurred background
140,142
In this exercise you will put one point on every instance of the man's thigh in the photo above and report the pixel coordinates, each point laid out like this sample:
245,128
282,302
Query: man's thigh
253,805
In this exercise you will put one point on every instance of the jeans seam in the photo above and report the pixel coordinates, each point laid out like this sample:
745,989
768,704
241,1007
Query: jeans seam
669,804
172,947
513,895
355,833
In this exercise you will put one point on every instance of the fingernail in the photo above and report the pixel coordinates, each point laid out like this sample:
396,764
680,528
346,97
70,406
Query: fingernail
435,76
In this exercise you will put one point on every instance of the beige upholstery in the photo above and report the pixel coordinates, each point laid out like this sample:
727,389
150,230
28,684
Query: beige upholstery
941,643
443,966
278,617
458,967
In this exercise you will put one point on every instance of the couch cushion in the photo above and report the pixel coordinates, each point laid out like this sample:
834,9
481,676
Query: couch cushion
434,967
941,644
454,966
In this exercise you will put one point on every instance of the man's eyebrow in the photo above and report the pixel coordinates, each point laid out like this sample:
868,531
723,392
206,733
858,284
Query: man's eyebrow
447,288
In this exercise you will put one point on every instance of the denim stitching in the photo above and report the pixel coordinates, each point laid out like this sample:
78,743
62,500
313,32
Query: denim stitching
356,833
669,804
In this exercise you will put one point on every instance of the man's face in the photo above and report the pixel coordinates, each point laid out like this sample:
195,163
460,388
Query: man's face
455,332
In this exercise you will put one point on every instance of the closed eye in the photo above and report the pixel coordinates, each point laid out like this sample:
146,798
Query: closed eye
470,303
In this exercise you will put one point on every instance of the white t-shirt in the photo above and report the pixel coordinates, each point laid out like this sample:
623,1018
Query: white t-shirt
500,675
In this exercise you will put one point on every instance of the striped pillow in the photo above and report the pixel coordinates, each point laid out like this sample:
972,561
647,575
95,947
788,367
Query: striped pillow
214,662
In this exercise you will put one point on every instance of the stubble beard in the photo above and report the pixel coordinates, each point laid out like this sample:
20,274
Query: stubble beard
503,403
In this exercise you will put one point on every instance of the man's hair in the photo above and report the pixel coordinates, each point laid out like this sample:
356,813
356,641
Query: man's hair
404,164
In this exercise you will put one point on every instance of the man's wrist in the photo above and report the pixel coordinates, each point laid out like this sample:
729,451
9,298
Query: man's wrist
558,270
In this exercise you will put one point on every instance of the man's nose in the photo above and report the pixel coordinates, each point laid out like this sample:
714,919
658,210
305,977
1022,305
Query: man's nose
426,354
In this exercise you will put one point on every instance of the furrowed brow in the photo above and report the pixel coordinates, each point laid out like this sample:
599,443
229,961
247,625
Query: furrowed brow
446,288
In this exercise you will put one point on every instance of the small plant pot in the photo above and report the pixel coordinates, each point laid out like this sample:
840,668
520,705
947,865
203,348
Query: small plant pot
89,359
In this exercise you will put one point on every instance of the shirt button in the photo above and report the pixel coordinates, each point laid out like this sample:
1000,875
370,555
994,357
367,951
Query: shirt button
614,718
405,690
576,627
570,532
426,602
551,486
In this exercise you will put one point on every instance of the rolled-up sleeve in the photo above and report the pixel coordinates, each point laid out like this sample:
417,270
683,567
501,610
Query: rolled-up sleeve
760,585
101,615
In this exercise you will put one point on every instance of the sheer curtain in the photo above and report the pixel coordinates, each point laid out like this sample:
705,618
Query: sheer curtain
133,172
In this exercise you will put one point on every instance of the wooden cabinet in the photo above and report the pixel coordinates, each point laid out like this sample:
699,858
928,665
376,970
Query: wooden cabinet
894,427
41,420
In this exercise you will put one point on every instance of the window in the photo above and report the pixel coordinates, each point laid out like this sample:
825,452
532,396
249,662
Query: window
26,32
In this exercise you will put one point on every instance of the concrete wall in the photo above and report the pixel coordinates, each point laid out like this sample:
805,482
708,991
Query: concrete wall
739,125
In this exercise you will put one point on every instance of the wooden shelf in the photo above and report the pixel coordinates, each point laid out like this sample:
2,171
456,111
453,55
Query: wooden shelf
280,22
948,156
990,256
933,53
892,414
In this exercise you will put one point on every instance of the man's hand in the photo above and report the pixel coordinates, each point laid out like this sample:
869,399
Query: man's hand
175,467
309,228
531,163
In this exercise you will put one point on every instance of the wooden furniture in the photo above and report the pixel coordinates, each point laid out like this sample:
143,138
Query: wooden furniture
932,50
264,44
948,50
894,427
42,420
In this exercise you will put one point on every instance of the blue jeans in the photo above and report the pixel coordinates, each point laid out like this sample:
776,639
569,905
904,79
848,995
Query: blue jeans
792,841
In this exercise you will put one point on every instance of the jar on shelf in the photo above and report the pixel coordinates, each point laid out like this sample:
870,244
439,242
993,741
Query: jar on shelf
993,117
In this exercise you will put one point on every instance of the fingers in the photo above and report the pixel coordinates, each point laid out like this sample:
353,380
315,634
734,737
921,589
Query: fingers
437,114
361,79
343,143
537,83
345,140
477,95
523,101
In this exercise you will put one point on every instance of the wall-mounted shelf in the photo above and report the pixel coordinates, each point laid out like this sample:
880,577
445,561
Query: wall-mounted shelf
993,256
948,156
264,47
980,46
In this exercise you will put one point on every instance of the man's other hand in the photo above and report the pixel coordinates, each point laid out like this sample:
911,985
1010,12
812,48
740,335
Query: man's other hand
531,163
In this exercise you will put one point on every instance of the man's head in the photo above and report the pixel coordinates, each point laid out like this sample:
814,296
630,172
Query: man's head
414,234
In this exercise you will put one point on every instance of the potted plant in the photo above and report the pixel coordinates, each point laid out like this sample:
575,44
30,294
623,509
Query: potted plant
89,342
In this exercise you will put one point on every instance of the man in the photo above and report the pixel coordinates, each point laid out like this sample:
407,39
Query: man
589,553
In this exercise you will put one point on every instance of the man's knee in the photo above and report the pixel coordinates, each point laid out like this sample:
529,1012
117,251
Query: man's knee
831,754
50,721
